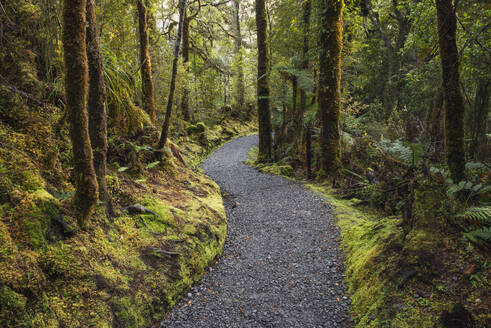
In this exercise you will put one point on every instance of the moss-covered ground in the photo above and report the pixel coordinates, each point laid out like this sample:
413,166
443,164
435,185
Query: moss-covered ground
425,278
125,271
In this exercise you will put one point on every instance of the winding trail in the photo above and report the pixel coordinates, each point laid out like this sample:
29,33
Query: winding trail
281,265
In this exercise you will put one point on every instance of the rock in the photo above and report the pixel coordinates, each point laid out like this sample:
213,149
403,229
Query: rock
138,209
471,269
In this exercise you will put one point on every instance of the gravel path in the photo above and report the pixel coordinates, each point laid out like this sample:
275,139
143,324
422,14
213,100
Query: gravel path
281,265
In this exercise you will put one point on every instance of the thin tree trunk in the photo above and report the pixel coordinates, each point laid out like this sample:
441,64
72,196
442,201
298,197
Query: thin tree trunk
435,126
239,78
185,61
290,119
264,112
329,92
452,97
97,107
145,62
168,111
481,108
308,150
76,78
302,108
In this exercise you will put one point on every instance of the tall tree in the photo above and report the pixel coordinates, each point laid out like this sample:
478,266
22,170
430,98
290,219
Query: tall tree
479,146
239,61
329,89
145,62
185,61
299,121
97,106
76,76
264,112
393,62
453,102
186,25
165,128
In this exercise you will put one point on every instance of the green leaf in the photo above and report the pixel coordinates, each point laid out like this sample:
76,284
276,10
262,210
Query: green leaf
122,169
152,165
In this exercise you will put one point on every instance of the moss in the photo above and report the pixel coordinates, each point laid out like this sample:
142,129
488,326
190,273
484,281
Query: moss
119,272
376,257
275,168
196,129
12,308
127,313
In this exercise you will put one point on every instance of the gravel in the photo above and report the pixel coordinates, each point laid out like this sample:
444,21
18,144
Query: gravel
281,265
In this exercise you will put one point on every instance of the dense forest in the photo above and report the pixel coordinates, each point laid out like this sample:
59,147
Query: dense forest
108,109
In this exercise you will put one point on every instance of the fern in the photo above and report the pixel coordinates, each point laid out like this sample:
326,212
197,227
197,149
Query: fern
481,214
479,234
408,153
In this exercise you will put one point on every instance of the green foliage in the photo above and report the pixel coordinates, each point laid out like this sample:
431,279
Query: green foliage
477,214
477,234
121,86
410,154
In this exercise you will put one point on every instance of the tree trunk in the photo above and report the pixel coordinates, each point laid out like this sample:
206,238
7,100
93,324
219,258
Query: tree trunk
302,108
452,97
479,129
185,61
393,61
264,113
172,88
76,77
329,91
239,61
290,118
97,107
308,150
145,62
437,143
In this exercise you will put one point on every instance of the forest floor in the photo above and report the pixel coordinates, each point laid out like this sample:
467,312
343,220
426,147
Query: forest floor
125,271
281,266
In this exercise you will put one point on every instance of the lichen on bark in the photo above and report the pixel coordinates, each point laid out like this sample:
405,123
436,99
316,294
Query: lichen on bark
76,78
329,88
264,112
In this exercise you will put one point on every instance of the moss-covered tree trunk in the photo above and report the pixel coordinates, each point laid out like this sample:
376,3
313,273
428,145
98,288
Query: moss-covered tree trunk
453,102
264,113
302,108
97,107
165,128
239,62
329,88
145,62
76,77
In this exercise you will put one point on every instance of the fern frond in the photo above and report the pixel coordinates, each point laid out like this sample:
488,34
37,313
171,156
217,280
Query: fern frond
479,234
481,214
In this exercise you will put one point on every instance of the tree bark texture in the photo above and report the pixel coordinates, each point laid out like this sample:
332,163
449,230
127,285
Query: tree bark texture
264,112
145,62
185,61
172,88
97,106
479,145
76,78
239,77
329,90
452,98
302,108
